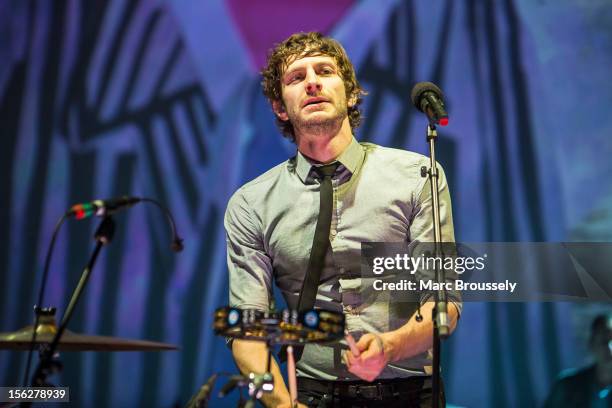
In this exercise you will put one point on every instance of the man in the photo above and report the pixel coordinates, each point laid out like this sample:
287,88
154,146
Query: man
378,196
590,386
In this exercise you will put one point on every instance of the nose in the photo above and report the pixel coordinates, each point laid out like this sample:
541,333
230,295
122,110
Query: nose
313,82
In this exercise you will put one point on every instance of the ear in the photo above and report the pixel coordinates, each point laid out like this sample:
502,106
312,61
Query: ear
352,101
279,110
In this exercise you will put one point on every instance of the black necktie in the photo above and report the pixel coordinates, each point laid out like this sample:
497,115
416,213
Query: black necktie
320,242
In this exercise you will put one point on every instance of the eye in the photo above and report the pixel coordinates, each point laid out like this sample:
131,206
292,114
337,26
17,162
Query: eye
327,71
295,78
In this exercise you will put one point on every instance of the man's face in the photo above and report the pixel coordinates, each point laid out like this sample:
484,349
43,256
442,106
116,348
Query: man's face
313,94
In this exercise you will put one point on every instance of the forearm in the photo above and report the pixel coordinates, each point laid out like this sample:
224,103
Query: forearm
415,337
252,357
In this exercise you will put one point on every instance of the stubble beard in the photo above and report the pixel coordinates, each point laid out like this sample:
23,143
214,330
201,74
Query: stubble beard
320,126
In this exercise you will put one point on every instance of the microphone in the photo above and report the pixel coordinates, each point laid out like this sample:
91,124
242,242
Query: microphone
101,208
428,98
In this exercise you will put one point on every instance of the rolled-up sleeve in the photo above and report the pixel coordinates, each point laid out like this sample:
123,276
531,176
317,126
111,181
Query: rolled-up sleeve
250,267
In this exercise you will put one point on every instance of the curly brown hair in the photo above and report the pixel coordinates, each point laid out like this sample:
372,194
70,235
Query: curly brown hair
301,45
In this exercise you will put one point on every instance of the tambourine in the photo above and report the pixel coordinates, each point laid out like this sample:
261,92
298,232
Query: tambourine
286,327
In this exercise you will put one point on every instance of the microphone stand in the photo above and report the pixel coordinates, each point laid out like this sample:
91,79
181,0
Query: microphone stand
104,235
441,329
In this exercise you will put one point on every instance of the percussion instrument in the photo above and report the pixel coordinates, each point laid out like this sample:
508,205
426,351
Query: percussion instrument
70,341
288,327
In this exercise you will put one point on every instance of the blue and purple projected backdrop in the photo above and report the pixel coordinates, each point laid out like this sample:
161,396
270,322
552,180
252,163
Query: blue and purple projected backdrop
162,99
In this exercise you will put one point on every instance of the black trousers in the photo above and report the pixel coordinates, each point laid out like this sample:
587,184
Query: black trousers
413,392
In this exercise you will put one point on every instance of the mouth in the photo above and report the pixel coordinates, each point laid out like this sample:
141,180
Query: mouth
314,101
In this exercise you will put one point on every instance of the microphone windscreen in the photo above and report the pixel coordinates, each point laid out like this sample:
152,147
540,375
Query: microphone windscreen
420,88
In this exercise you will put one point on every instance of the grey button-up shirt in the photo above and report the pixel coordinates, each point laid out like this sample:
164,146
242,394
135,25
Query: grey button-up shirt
378,196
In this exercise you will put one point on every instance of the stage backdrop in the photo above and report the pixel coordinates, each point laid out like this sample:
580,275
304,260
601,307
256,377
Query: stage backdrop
162,99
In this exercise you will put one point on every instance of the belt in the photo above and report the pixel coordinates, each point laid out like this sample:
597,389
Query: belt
376,390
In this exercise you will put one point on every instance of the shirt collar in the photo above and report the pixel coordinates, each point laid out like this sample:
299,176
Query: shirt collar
349,158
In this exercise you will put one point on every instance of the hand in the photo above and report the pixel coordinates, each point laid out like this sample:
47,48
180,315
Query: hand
372,359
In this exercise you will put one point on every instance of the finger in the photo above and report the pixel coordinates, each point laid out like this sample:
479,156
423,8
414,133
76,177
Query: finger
345,359
364,342
369,355
352,360
374,351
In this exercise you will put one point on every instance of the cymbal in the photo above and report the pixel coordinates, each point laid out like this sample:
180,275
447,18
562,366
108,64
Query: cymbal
70,341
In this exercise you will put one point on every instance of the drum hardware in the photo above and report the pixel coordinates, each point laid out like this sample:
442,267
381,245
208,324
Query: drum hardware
255,384
288,327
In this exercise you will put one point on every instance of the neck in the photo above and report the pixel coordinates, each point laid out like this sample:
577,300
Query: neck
324,146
